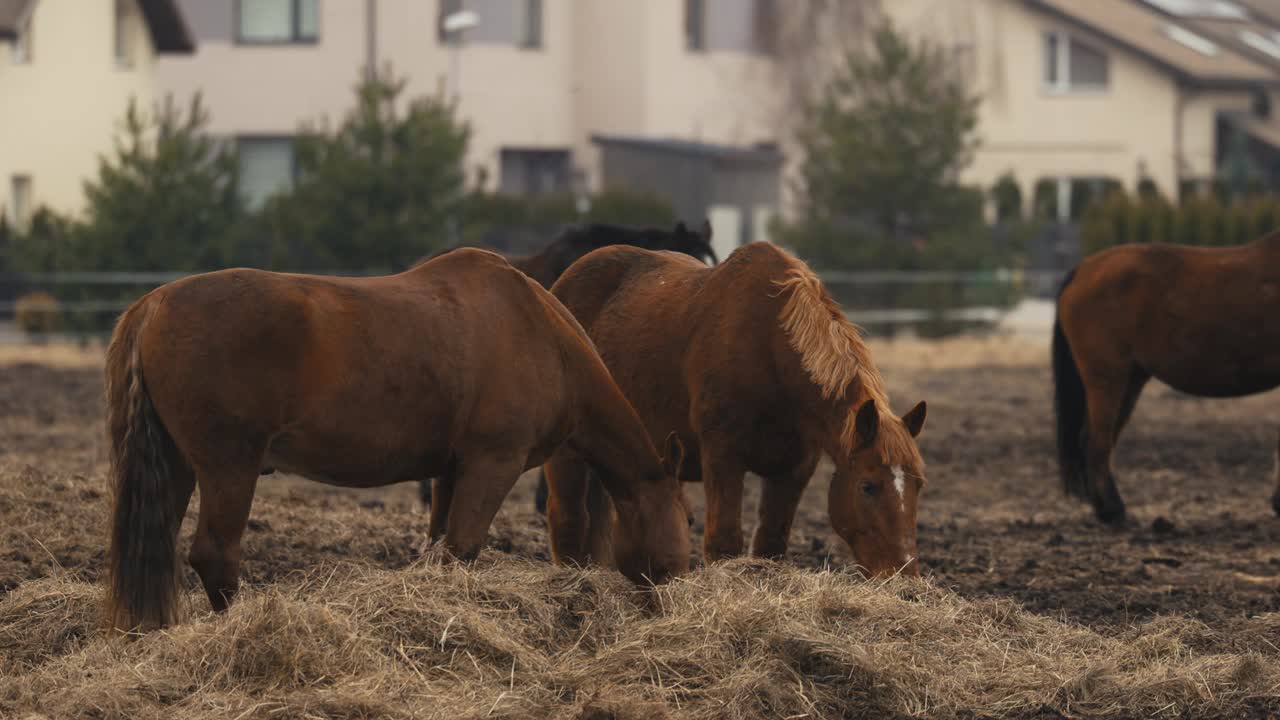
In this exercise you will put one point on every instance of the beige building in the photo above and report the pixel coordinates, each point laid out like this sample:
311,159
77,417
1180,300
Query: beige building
67,71
535,79
686,97
1080,91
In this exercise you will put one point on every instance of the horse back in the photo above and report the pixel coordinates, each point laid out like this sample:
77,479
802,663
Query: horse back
359,380
1198,319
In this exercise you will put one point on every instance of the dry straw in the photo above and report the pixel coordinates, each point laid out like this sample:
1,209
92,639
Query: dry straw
511,639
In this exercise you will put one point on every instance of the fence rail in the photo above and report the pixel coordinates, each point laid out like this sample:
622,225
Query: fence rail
879,299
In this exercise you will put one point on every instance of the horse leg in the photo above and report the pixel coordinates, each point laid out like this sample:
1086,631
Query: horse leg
568,516
540,495
225,499
1137,381
441,497
1105,402
722,481
779,497
482,484
426,489
1275,497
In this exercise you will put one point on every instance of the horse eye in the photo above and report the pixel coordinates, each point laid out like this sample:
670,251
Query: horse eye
869,489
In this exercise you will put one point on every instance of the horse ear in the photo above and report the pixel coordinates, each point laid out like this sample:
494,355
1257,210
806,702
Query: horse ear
706,230
672,455
681,229
914,420
867,423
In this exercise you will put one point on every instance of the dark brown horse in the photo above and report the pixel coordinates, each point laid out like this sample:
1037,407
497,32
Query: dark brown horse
573,242
1205,321
756,369
359,383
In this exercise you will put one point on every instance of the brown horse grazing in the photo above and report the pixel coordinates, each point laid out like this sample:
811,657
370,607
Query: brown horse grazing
359,383
1202,320
756,369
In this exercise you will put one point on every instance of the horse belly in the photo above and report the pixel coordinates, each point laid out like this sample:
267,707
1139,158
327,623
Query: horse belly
1218,369
338,461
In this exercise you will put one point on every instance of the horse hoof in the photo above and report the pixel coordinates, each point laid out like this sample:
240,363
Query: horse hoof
1275,503
1111,516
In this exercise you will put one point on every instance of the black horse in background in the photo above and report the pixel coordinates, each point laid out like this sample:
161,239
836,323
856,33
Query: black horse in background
546,265
549,263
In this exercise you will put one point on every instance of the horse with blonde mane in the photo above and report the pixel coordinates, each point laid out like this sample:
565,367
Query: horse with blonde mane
755,368
360,382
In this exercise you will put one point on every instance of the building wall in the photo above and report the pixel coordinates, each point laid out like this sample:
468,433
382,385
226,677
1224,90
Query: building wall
62,111
1122,132
605,66
268,89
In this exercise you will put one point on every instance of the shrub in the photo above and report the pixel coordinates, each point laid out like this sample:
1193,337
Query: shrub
37,313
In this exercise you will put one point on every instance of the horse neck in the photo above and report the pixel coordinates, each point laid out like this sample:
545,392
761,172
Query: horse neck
611,437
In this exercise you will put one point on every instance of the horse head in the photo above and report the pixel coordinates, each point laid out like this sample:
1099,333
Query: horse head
875,489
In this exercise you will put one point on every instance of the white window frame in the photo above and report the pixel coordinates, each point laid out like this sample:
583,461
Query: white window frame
298,34
1062,84
243,141
122,47
20,202
21,47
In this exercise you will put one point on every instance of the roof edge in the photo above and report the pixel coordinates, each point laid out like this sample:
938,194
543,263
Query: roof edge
1183,76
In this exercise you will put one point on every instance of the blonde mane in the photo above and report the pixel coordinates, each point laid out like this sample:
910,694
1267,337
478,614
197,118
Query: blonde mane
831,350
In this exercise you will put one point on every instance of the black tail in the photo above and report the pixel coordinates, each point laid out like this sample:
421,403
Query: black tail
1070,408
143,589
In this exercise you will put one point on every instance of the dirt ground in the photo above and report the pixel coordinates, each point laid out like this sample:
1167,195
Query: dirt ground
1196,474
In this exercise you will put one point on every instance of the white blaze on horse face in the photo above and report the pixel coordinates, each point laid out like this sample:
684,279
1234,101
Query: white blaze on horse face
900,484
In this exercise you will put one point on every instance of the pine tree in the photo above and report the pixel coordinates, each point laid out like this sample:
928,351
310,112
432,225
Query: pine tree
165,199
883,150
377,192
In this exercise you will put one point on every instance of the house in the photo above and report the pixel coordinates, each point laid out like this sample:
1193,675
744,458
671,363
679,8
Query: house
536,80
68,69
1079,93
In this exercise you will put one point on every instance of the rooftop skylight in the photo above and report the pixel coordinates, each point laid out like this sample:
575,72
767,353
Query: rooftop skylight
1215,9
1186,38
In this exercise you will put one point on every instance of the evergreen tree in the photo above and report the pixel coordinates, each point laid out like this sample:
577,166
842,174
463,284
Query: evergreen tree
166,199
377,192
883,149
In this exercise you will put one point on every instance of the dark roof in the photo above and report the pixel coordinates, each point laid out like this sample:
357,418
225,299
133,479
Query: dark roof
167,27
764,153
1141,29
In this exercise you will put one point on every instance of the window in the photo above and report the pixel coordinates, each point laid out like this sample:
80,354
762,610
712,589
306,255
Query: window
20,200
267,167
1186,38
1073,66
1066,199
20,51
764,26
124,34
535,172
1262,43
1215,9
531,27
695,25
277,21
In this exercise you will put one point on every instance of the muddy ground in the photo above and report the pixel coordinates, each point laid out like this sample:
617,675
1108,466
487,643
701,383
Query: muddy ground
1196,474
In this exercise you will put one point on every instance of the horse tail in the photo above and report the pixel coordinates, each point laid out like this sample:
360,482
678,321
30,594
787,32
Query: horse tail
142,592
1069,406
